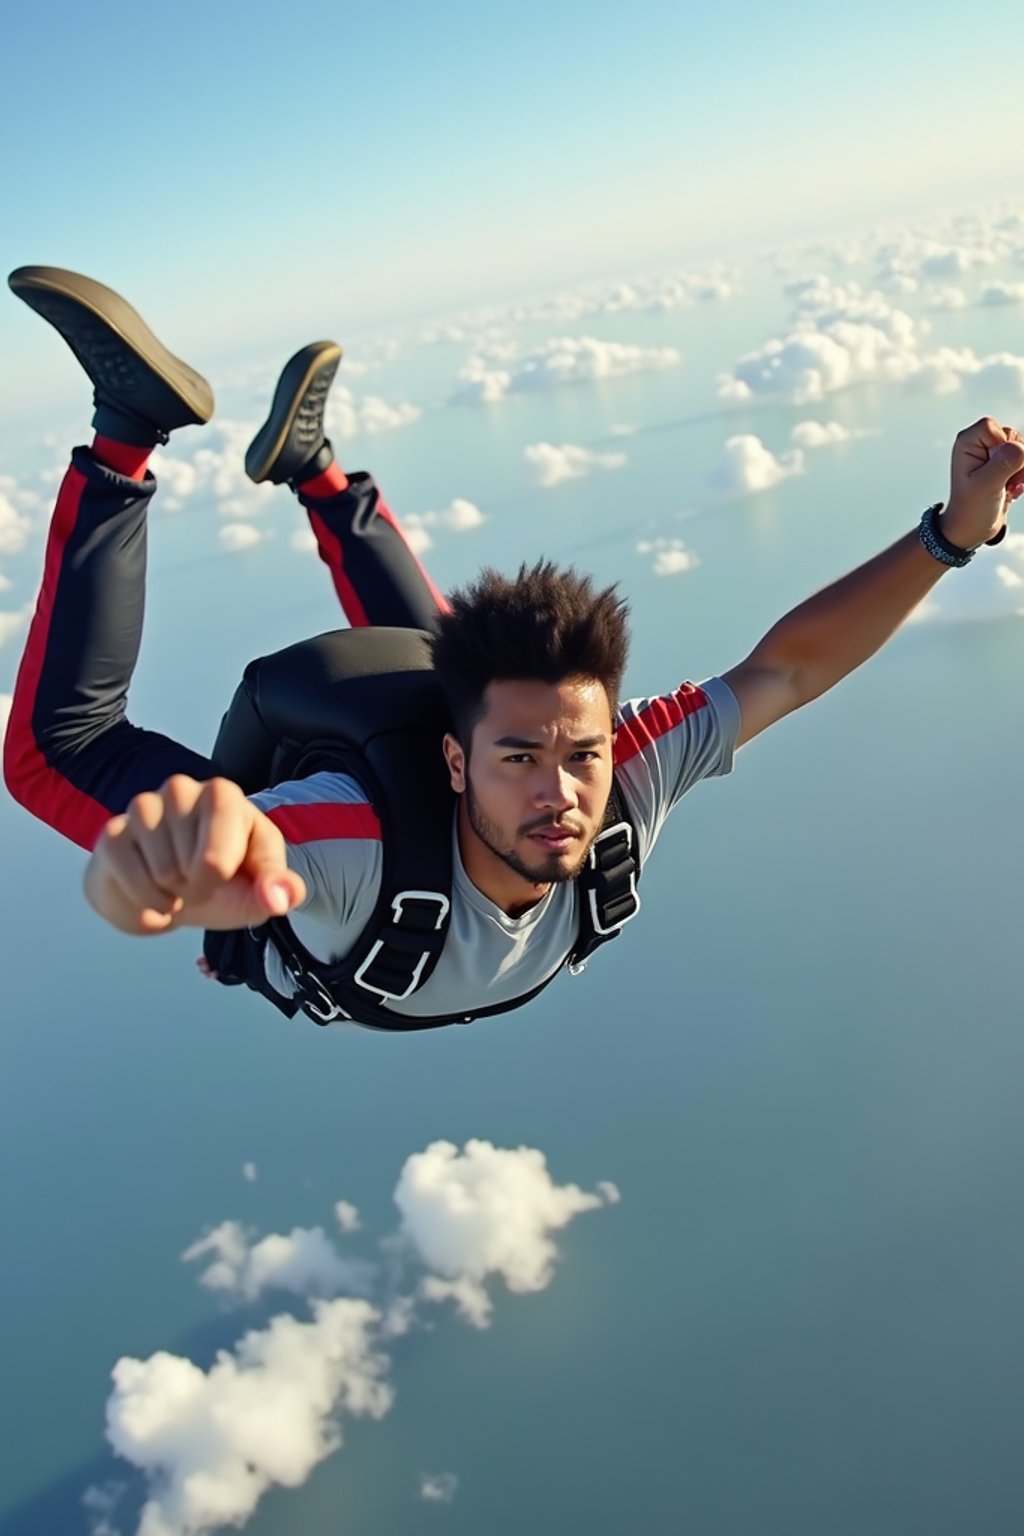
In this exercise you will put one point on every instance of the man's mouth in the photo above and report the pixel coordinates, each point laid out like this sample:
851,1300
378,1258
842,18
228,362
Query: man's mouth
555,839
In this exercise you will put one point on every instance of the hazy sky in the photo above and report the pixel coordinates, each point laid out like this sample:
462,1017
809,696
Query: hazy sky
330,164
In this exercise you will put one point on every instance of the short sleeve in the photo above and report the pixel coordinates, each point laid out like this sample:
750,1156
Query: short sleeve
666,745
332,836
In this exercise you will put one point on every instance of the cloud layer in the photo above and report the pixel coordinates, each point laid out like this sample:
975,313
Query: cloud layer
486,379
267,1411
552,465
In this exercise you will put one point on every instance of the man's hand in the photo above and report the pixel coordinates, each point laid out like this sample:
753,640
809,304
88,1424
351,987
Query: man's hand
986,474
195,855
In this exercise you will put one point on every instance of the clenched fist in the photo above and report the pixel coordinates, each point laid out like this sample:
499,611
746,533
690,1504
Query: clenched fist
986,475
197,855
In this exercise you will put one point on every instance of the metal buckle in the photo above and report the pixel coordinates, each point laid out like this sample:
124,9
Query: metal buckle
306,984
614,831
397,906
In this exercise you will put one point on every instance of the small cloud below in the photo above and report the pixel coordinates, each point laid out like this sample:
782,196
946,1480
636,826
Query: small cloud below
438,1487
946,298
347,1216
823,434
671,558
303,540
553,465
211,1442
460,516
481,1212
563,360
747,465
1002,293
238,536
303,1261
249,1172
101,1504
12,623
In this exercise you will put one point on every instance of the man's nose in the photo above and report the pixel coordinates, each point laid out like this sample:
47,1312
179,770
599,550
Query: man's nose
555,791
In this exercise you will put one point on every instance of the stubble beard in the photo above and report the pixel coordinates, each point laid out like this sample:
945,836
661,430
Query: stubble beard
552,872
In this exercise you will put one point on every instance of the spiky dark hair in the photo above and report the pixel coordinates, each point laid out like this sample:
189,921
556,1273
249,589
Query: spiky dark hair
547,623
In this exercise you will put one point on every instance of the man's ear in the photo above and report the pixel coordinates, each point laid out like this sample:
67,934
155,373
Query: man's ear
456,760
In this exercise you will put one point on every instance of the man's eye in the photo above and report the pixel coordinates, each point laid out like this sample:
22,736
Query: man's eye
519,757
587,756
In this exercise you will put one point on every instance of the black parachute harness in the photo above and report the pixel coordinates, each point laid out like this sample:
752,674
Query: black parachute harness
365,702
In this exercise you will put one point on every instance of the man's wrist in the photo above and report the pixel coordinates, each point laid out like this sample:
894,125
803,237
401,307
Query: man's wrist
947,524
951,527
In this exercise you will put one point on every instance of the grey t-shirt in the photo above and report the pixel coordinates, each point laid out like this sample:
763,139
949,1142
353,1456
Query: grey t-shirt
663,746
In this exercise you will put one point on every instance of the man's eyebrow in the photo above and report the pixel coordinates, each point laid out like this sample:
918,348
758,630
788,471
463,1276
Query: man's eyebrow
522,744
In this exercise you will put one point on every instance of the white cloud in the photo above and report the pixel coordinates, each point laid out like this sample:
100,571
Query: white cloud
418,538
438,1487
101,1504
460,516
747,465
947,297
991,587
303,1261
348,415
212,1442
249,1172
484,1211
303,540
652,294
238,536
13,622
671,558
822,434
1002,293
622,429
347,1216
563,360
610,1192
15,527
6,700
553,465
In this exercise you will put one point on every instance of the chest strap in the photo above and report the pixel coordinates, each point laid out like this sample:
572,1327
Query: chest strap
399,948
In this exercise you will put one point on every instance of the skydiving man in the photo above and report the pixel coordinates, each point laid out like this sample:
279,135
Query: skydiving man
530,666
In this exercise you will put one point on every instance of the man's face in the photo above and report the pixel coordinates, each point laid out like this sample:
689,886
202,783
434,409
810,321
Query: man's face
536,786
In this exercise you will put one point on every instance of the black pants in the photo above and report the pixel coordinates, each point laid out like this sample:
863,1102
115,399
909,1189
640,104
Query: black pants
71,756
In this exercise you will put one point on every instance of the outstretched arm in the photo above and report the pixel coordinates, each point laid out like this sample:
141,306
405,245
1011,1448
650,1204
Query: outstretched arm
196,855
813,647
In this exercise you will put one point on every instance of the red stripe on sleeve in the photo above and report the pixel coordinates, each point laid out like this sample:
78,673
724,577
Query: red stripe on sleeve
314,823
655,719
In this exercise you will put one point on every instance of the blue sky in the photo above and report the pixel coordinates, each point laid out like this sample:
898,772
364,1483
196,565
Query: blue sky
328,165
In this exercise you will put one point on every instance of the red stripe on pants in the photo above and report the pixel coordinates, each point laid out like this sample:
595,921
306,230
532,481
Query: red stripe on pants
30,779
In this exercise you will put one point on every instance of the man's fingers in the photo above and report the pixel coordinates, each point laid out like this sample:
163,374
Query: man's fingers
221,837
276,886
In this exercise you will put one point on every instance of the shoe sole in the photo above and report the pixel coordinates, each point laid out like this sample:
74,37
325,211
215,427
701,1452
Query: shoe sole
297,406
105,333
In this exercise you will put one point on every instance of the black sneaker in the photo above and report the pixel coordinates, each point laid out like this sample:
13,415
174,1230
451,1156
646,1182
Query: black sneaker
291,446
142,392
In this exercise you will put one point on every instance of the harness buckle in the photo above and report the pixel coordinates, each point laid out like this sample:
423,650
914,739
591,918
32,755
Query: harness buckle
443,905
311,992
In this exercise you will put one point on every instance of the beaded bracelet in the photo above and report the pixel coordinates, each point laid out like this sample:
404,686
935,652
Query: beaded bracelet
936,544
